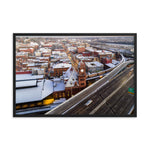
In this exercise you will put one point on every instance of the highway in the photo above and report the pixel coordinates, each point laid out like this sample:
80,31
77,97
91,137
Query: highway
112,99
120,103
74,101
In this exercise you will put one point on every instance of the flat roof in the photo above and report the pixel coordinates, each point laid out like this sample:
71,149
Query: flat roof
34,93
39,92
21,53
59,86
103,52
26,83
110,65
62,65
28,76
114,61
94,64
42,57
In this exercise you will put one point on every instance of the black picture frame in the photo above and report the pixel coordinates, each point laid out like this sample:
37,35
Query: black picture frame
73,34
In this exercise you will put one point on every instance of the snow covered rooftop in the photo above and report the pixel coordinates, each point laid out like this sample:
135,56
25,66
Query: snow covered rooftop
81,57
59,85
110,65
93,64
42,90
26,83
71,76
42,57
62,65
67,74
71,48
34,43
80,46
22,54
28,76
90,49
39,92
31,64
115,62
45,49
103,52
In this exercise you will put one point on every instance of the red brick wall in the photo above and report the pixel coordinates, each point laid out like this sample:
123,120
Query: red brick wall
25,72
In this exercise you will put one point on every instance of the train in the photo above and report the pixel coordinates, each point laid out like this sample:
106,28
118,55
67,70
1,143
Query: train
44,102
100,73
103,72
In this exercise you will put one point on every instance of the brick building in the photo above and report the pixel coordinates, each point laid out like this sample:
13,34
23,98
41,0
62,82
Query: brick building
30,50
86,54
102,54
94,66
81,49
82,75
75,82
106,60
71,82
60,50
58,69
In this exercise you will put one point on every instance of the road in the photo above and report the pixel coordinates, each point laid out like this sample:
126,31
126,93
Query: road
112,99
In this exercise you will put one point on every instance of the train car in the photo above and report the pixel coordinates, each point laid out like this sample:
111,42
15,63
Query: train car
101,76
48,101
35,104
101,72
92,75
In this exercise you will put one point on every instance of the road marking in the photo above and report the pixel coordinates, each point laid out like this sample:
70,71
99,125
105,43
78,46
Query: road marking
107,98
131,110
83,99
88,102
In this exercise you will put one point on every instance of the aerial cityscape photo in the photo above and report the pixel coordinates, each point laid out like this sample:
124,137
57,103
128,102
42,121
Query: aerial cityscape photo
74,75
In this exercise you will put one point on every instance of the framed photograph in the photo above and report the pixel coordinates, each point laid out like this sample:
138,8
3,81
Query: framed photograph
74,74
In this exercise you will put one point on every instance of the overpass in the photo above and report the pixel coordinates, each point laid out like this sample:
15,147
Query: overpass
72,102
